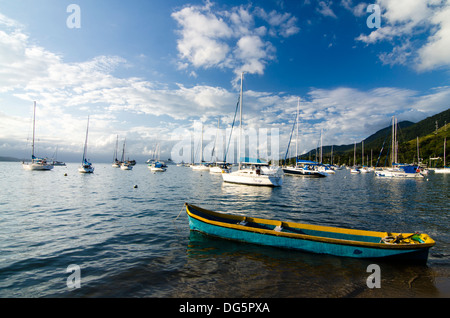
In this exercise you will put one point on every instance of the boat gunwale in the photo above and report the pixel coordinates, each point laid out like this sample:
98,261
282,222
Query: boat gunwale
237,226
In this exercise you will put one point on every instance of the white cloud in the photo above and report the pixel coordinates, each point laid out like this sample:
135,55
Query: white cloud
404,24
233,39
325,9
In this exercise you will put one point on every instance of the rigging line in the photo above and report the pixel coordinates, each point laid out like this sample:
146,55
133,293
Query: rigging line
229,140
289,144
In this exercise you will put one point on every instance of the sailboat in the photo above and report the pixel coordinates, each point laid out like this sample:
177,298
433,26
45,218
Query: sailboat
116,163
444,169
86,166
125,165
157,165
398,170
56,162
36,163
252,171
202,166
218,167
302,167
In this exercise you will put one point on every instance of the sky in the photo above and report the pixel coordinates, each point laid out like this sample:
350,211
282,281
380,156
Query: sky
152,71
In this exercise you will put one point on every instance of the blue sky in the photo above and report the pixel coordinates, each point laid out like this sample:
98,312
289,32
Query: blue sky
147,70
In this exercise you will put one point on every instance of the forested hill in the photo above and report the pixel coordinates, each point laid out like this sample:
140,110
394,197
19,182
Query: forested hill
431,132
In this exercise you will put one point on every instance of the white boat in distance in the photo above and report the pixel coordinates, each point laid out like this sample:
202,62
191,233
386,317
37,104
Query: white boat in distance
252,171
38,164
444,169
220,167
305,168
398,170
255,172
86,166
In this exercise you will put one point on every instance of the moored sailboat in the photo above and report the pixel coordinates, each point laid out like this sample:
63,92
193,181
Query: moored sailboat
252,171
444,169
398,170
86,166
38,164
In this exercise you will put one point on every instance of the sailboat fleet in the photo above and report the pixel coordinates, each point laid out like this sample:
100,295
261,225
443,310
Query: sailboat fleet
250,171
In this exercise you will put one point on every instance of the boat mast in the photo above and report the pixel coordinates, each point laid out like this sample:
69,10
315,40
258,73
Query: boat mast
85,142
321,145
296,143
362,151
445,141
240,120
34,128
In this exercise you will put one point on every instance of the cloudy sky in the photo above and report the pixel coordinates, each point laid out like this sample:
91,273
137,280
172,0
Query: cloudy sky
148,70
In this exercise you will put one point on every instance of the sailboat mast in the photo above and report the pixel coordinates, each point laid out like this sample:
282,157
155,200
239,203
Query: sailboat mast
34,128
445,141
296,143
240,119
320,145
362,151
85,142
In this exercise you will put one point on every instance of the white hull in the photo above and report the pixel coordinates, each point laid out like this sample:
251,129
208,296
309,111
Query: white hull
397,174
299,171
249,177
442,170
126,167
154,169
200,168
37,166
218,170
86,169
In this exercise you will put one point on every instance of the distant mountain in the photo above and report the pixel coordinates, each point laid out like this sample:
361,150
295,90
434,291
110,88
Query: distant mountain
9,159
431,132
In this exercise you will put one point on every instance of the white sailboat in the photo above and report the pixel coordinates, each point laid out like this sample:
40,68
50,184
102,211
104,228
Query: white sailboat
218,167
116,163
38,164
398,170
444,169
202,165
125,165
252,171
156,165
86,166
302,167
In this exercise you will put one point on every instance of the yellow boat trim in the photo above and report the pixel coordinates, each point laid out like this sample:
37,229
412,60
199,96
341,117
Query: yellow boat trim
428,241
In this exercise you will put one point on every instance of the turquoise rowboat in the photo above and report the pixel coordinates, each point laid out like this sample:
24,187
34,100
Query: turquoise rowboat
310,238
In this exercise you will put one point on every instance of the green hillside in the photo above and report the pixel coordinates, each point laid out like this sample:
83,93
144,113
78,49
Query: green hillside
431,144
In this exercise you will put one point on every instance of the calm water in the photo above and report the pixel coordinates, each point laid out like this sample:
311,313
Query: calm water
135,242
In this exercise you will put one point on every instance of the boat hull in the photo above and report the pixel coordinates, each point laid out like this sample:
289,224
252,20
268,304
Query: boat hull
86,170
256,180
37,167
332,244
397,174
442,170
303,173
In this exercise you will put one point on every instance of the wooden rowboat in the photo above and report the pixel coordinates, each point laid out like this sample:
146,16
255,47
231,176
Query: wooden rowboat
310,238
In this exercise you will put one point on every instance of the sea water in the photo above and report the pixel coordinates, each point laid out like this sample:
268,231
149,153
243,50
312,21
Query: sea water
128,234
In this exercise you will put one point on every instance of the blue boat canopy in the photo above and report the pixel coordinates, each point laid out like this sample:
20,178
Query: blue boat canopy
307,162
252,161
